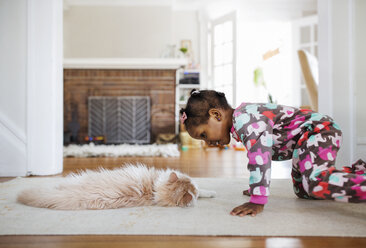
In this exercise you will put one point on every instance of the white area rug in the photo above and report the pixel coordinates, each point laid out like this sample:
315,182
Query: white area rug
285,215
91,150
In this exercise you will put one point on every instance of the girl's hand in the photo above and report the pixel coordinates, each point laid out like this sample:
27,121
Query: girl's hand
246,192
247,208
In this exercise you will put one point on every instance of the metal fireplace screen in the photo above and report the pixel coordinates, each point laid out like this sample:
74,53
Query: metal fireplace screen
122,119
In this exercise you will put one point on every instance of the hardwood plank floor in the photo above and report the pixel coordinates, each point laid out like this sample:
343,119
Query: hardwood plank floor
110,241
212,162
197,163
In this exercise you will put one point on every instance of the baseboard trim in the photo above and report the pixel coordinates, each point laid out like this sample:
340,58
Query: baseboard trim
7,124
361,141
12,152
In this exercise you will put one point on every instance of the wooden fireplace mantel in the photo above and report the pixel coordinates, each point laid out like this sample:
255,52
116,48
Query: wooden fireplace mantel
124,63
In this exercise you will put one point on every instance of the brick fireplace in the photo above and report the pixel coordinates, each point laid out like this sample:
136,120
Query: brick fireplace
158,84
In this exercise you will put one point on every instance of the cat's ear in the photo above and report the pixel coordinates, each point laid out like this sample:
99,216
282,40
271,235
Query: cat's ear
173,177
187,198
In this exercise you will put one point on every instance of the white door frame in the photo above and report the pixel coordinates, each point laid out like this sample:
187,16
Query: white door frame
32,144
336,73
44,91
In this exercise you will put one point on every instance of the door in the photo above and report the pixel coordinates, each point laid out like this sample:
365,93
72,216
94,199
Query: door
305,36
223,59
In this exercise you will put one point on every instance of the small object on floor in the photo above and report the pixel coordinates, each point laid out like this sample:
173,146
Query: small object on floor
184,148
238,146
95,139
188,141
166,138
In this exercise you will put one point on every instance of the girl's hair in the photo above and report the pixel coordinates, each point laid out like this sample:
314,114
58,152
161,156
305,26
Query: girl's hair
198,105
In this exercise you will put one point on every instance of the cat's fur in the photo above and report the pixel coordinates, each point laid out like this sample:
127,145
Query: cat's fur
127,186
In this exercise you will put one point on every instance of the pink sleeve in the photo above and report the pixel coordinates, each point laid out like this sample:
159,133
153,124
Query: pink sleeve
256,135
258,199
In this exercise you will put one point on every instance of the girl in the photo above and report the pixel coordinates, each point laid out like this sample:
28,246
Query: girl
276,132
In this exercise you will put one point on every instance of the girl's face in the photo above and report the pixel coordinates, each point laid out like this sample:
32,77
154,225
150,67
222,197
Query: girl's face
215,132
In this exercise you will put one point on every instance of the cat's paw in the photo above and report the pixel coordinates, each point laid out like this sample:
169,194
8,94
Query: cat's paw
206,193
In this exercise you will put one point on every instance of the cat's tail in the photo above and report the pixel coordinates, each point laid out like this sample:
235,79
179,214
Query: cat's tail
48,198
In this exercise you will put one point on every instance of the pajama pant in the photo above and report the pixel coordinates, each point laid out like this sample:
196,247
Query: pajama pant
314,175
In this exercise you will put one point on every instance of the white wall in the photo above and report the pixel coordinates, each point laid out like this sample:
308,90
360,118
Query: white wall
341,80
116,31
262,10
13,70
126,31
31,112
360,77
185,26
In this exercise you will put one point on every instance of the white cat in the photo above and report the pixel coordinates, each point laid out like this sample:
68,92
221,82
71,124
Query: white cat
127,186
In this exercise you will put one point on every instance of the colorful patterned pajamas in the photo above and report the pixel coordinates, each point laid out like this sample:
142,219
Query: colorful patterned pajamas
314,174
311,140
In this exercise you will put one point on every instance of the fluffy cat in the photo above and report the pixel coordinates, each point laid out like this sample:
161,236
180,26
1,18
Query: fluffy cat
127,186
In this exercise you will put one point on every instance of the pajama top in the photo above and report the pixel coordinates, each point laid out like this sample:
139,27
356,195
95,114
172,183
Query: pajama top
269,132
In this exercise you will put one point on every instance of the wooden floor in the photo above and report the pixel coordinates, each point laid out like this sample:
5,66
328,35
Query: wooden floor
197,163
211,162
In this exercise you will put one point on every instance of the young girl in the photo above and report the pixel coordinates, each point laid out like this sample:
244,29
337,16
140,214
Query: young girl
276,132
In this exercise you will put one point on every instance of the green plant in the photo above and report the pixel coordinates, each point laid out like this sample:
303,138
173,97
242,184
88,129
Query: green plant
183,50
259,81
